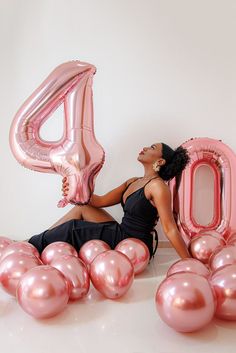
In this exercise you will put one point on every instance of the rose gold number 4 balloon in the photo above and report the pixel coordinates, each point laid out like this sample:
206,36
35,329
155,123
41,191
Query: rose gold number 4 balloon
77,155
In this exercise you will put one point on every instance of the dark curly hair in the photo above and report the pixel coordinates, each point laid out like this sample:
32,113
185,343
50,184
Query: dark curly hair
174,165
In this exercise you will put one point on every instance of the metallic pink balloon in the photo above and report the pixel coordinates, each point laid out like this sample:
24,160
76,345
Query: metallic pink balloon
189,265
232,239
222,257
76,273
91,249
221,159
185,301
20,247
112,274
213,233
12,268
223,282
4,242
77,155
203,246
43,292
136,251
57,249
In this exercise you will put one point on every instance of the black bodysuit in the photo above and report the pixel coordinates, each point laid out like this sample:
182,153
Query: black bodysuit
139,220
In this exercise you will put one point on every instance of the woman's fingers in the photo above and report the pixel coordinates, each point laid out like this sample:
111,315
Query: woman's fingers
65,186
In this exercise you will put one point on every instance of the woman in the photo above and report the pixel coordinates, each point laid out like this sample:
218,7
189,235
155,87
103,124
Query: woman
144,200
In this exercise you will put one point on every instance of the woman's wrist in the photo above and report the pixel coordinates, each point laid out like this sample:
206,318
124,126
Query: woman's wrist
178,243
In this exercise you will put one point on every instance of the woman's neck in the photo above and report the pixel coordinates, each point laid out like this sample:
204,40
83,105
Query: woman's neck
149,173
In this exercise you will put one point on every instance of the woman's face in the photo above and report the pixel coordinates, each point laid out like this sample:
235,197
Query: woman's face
151,154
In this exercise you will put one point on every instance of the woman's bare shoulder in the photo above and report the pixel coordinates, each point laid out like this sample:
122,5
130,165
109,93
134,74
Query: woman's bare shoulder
157,185
130,180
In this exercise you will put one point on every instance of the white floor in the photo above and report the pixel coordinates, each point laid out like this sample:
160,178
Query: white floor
95,324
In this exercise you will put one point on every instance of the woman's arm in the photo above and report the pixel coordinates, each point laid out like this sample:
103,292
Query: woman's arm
161,196
111,198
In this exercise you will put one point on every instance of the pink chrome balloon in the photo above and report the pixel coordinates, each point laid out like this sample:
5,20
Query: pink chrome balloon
137,251
185,301
189,265
221,160
77,155
4,242
213,233
222,257
223,282
57,249
112,274
75,272
12,268
91,249
203,246
20,247
43,292
232,239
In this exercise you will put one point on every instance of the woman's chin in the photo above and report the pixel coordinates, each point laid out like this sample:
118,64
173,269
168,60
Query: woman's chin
139,158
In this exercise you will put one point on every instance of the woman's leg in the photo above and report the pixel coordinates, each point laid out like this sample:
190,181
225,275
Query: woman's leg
62,230
86,213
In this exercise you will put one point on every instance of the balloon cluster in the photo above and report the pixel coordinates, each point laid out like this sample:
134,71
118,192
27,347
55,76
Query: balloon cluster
43,285
197,289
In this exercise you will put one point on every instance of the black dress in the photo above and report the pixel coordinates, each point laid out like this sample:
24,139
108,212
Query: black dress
139,220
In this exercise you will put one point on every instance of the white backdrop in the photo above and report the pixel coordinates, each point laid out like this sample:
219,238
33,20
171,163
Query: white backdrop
166,72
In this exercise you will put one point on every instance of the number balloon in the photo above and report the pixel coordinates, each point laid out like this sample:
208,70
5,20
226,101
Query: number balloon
77,155
222,161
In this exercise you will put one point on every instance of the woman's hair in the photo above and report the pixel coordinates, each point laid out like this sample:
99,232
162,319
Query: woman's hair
176,161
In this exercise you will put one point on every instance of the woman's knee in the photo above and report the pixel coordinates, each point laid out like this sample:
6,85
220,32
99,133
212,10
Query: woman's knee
81,212
91,213
76,212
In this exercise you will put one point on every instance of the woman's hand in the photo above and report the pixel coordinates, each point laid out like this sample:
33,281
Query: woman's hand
65,186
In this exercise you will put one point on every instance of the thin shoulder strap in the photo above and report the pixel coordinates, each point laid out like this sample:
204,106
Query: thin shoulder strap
150,180
133,181
129,185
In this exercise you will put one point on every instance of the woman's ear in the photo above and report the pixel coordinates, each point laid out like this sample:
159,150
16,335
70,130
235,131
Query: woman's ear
163,162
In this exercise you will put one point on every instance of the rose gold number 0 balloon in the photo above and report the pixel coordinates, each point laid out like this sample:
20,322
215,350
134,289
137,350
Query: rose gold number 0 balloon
222,161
